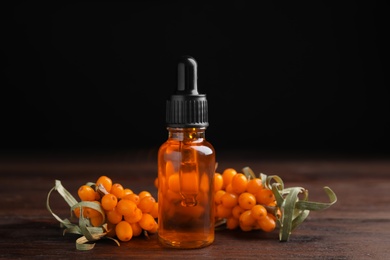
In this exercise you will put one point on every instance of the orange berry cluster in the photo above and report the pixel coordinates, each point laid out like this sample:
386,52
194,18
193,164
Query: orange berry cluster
127,214
244,202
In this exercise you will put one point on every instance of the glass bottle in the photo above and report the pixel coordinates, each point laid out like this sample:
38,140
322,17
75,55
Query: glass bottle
186,166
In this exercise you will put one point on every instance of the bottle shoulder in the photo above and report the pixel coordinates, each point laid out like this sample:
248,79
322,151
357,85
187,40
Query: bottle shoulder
203,146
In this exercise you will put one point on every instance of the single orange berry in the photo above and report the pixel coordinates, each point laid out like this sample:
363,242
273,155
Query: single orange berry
218,195
118,190
76,212
154,211
239,183
109,201
237,211
137,230
267,223
218,181
135,217
126,207
232,223
265,197
97,221
113,216
133,197
246,200
143,194
146,204
105,181
229,188
127,191
90,212
156,182
147,222
246,218
123,231
86,193
154,228
97,196
229,200
227,176
259,212
223,212
254,185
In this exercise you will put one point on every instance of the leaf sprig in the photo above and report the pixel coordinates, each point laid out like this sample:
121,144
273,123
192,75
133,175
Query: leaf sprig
294,209
84,228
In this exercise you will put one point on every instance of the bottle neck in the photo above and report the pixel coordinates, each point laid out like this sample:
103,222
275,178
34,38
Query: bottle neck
187,134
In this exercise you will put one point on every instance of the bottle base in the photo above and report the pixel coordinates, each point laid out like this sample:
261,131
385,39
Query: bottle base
184,244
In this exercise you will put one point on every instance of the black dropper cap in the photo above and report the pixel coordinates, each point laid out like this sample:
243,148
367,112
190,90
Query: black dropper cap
187,108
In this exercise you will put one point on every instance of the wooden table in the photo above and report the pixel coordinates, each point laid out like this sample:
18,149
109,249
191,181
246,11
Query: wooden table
356,227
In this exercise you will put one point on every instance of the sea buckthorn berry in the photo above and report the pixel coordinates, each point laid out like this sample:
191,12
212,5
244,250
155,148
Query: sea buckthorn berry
97,196
147,222
146,204
218,195
254,185
246,218
237,211
154,211
227,176
259,211
154,229
86,193
174,182
127,191
113,216
204,183
267,223
143,194
90,212
76,212
189,183
118,190
126,207
109,201
123,231
156,182
229,188
265,197
134,218
239,183
223,212
245,228
232,223
218,181
137,230
105,181
229,200
246,200
173,197
133,197
97,221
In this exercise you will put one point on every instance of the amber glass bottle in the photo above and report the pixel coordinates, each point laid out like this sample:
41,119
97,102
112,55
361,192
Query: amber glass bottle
186,166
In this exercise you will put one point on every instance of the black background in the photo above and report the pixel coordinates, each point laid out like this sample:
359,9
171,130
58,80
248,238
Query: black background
291,76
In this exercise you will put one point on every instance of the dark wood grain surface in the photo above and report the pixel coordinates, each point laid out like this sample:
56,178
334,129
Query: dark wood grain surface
356,227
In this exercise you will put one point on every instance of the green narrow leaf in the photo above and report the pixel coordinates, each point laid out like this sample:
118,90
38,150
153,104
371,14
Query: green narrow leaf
288,212
310,205
299,219
248,173
271,179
